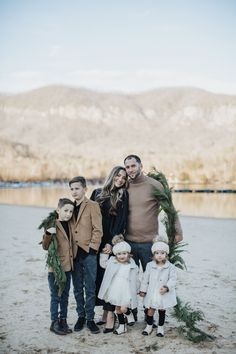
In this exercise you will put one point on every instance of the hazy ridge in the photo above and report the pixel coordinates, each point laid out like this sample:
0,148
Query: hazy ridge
57,132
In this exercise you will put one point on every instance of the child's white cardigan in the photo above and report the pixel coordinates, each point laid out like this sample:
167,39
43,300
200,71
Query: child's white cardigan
154,275
111,270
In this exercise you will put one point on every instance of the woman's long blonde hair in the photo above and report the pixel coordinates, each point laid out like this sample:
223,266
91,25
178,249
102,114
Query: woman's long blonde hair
110,191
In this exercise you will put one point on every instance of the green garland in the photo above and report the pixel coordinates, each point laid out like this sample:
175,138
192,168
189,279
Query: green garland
182,312
53,260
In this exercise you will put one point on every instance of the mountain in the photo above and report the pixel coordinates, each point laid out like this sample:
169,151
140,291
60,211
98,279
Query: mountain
58,132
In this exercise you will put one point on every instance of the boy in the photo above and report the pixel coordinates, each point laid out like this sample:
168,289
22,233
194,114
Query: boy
60,263
87,234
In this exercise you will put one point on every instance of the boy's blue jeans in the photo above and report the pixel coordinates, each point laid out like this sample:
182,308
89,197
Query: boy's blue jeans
84,278
57,301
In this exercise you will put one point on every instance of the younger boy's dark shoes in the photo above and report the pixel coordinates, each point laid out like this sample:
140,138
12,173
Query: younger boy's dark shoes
91,325
79,324
64,325
56,328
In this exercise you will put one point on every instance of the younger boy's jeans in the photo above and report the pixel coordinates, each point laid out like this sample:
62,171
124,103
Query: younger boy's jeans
84,277
57,301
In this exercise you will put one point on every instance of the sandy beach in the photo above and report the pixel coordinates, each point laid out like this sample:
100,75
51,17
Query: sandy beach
209,284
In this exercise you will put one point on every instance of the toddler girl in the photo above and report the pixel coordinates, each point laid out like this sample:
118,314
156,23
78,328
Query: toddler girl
120,283
158,286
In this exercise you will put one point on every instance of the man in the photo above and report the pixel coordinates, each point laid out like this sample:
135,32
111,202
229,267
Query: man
143,217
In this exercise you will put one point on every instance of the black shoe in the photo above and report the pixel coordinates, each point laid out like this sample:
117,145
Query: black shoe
91,325
79,324
160,335
56,328
108,330
64,325
100,323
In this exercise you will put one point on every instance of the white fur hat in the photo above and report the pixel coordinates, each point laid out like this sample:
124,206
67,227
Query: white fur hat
160,243
121,247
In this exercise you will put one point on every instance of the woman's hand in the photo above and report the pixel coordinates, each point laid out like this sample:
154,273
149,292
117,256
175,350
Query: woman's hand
107,249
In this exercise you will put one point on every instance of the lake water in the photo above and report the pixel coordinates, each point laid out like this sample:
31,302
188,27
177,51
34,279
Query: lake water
221,205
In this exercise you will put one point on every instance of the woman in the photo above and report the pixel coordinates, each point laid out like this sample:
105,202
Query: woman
113,201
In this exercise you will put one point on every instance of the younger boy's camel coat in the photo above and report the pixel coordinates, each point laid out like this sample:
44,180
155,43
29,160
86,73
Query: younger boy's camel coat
87,229
64,246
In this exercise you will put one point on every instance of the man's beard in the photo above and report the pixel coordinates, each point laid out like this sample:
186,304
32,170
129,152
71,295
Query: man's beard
136,175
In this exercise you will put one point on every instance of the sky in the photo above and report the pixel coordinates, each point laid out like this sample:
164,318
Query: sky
118,45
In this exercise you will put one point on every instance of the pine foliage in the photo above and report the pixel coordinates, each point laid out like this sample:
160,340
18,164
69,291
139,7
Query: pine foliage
165,201
49,221
189,317
53,259
182,312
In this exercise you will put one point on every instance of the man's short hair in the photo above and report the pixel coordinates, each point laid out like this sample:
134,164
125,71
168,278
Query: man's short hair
64,201
78,179
133,157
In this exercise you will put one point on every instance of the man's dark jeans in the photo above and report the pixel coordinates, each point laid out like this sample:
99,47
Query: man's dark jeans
141,252
57,301
84,278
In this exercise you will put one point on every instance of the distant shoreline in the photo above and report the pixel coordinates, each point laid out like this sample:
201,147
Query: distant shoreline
209,188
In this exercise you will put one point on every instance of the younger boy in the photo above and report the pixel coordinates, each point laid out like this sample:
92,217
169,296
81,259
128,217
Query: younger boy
59,275
87,234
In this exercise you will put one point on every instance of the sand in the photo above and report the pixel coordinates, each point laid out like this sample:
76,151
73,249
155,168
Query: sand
208,284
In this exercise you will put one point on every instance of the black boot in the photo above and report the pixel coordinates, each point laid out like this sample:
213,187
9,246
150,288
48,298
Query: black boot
79,324
64,325
91,325
56,328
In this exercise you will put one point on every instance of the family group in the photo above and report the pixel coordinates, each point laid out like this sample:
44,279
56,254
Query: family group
102,244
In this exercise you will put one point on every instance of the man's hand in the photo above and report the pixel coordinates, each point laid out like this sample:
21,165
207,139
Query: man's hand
178,238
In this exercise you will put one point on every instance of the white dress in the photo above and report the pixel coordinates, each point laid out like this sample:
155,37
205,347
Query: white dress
156,299
119,293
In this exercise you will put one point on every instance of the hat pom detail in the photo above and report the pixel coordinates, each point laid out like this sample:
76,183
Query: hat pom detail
160,243
120,245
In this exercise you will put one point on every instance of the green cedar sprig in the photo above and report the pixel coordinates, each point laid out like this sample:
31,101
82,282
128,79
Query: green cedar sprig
54,262
164,198
49,221
182,312
53,259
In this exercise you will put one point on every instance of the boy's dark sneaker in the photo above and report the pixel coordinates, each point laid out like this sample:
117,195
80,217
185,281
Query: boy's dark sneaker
91,325
56,328
79,324
64,325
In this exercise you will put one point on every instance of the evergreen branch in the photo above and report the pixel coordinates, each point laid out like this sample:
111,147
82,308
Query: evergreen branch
49,221
53,260
164,198
184,313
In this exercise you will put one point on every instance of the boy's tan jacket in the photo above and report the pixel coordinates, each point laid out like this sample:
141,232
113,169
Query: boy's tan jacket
64,244
87,229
